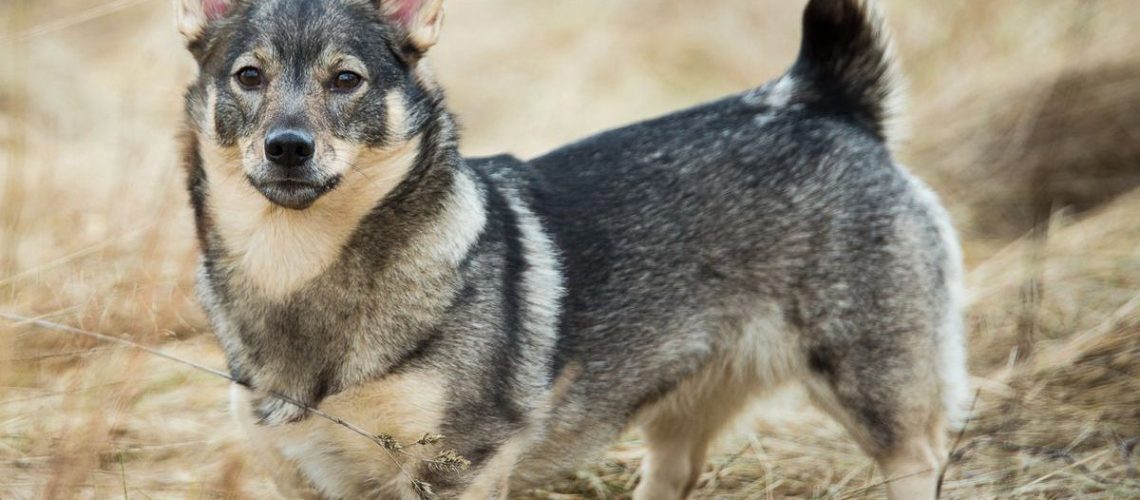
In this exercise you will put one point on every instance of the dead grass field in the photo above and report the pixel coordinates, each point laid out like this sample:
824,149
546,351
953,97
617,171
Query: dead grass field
1024,114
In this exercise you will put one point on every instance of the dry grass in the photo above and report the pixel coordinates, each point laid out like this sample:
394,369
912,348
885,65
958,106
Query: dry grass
1015,104
1063,140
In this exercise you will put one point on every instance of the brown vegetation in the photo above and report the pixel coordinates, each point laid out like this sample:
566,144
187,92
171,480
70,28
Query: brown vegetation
1068,140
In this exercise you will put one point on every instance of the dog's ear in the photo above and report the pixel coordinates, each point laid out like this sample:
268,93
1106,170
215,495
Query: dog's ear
194,15
419,22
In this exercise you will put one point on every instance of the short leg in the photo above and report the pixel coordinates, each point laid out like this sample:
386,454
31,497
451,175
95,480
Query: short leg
895,414
287,478
678,431
671,466
493,480
911,469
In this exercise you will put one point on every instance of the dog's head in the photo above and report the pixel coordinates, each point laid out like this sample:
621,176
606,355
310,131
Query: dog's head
299,97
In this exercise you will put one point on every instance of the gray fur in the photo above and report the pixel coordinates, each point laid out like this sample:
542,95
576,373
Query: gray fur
563,298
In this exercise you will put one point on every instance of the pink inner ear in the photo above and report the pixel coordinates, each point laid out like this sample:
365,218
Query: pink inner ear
405,11
215,9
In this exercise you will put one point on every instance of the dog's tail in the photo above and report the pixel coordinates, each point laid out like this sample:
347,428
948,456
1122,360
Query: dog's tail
846,64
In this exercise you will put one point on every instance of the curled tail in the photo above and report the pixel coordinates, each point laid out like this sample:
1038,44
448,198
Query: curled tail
846,64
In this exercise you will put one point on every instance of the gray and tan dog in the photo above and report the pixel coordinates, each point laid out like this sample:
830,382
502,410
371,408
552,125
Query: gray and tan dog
660,275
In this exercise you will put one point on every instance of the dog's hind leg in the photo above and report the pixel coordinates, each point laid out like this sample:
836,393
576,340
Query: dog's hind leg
678,429
911,469
891,404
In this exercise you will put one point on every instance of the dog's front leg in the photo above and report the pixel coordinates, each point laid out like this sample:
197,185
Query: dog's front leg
279,406
494,477
271,410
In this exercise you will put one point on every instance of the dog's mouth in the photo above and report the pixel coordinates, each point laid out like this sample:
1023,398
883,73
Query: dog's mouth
295,194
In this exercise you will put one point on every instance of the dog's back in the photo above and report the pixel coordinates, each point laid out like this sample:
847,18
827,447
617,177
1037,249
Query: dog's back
720,250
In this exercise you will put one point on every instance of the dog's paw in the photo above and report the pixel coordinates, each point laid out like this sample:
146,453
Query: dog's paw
271,411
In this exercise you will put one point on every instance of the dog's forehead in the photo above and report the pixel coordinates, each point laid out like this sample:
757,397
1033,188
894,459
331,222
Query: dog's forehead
308,30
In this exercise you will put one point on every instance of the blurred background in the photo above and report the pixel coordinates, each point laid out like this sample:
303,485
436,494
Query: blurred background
1025,117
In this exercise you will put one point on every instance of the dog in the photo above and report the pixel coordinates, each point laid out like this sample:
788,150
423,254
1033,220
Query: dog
658,276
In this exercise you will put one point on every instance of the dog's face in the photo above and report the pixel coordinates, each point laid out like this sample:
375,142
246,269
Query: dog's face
295,95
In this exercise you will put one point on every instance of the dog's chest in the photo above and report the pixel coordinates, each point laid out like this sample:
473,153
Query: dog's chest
338,462
277,251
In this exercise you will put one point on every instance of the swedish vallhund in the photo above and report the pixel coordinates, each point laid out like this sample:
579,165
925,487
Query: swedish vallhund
658,276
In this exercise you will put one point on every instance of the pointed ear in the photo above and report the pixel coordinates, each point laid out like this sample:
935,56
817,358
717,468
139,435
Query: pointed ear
418,20
194,15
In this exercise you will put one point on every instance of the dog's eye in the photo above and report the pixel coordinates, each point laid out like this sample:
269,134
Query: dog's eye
346,80
249,77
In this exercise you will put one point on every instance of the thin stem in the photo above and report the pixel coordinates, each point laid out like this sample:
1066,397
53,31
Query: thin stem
386,443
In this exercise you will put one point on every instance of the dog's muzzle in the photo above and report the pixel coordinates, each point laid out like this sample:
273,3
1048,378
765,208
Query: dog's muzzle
297,194
289,177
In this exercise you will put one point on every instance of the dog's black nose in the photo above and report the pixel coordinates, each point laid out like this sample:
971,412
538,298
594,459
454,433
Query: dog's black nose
289,148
